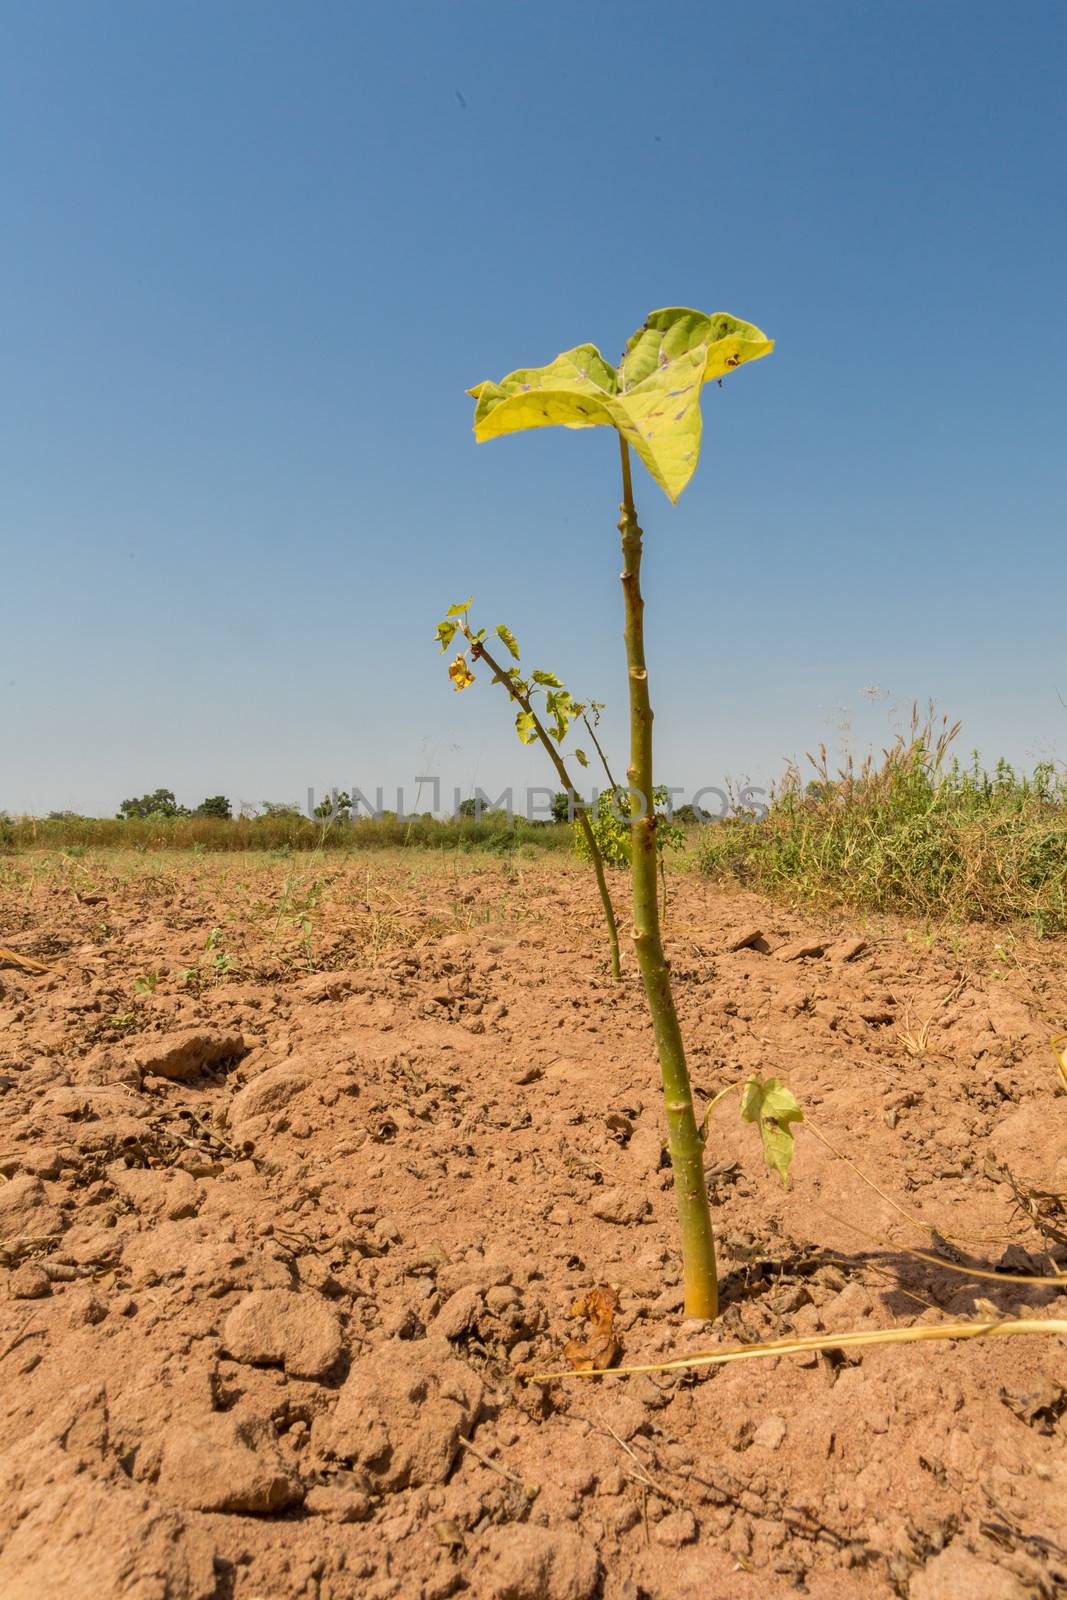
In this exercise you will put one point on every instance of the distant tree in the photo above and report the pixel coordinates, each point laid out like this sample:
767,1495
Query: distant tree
561,807
216,805
338,808
686,815
160,803
281,809
469,809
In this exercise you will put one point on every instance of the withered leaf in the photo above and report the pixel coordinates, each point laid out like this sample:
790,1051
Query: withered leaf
602,1347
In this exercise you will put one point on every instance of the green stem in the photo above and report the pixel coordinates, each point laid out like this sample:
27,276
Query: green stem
581,814
686,1149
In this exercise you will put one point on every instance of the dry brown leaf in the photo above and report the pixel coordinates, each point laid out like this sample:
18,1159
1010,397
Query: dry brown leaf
602,1347
11,958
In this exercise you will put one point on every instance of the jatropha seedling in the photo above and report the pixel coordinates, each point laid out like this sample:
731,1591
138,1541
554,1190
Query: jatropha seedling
561,710
652,400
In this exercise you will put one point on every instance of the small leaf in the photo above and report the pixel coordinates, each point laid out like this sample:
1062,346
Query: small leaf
768,1103
446,632
509,639
524,727
582,758
549,679
460,674
461,611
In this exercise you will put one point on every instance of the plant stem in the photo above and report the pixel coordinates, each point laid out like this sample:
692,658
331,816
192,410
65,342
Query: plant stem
603,758
686,1149
582,815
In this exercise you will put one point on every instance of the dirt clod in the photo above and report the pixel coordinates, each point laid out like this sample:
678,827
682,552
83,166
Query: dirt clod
275,1327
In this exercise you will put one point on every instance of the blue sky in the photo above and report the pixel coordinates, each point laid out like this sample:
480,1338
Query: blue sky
254,252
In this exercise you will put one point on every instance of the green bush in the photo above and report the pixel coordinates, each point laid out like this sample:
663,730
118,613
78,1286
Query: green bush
917,834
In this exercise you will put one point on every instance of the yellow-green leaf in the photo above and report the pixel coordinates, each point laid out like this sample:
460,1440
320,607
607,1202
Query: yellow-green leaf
461,611
653,399
549,680
509,639
524,727
446,632
582,758
768,1103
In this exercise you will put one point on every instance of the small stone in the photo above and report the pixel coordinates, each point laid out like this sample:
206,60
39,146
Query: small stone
283,1328
500,1298
338,1504
29,1282
744,939
676,1529
622,1206
86,1311
459,1313
770,1433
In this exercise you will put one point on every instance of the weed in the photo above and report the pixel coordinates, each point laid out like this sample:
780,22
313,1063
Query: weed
917,834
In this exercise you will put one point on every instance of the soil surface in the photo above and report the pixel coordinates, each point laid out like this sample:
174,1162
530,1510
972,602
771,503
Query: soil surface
304,1164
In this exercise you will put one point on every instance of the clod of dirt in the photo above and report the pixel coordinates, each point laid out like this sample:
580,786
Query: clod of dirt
225,1463
183,1055
25,1214
770,1433
799,949
266,1094
459,1313
1032,1145
282,1328
676,1529
338,1504
530,1563
745,939
847,949
624,1206
29,1282
168,1192
71,1525
956,1574
401,1413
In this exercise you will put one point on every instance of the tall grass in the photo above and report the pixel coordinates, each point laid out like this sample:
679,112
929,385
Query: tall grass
916,833
491,833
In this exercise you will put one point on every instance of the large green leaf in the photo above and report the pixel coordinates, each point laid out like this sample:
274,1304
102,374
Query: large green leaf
653,399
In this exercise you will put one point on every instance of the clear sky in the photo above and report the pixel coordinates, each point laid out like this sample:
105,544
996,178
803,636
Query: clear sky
253,253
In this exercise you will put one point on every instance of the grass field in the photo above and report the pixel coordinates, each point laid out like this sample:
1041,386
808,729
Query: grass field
916,834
